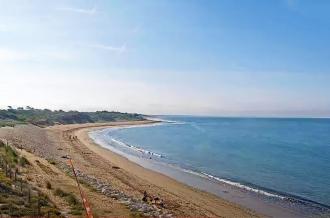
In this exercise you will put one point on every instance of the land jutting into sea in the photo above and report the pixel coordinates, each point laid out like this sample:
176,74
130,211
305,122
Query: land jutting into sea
113,185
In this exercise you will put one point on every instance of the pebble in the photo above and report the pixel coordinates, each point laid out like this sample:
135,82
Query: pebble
106,189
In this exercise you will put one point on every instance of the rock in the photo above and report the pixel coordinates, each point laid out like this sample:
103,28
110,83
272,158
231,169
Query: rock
132,203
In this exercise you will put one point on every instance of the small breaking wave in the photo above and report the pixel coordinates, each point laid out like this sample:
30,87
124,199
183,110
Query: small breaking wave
235,184
285,197
165,121
245,187
200,174
137,149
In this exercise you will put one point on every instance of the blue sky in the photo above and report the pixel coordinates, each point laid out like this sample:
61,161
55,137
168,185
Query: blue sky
216,57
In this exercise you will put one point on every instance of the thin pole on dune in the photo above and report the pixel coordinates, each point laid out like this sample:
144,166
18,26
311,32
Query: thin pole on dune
82,195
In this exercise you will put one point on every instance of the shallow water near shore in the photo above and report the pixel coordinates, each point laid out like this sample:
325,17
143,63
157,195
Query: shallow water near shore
259,163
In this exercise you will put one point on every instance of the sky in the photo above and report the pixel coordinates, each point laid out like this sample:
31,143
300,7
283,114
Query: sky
193,57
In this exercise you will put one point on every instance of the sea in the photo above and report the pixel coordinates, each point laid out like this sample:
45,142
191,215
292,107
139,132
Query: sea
279,167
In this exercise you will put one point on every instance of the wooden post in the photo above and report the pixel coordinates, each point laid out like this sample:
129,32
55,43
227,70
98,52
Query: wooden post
6,168
10,209
29,196
15,177
38,212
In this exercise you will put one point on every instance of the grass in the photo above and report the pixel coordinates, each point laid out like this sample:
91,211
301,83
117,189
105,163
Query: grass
51,161
14,201
46,169
136,215
8,154
70,198
87,185
22,161
5,180
10,123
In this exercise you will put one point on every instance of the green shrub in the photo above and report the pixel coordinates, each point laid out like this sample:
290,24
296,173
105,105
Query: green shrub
10,151
71,199
51,161
75,204
23,161
59,192
76,212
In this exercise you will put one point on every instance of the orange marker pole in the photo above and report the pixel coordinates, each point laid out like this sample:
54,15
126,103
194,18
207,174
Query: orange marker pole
83,197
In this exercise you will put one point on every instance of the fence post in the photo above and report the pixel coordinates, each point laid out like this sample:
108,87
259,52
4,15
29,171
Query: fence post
15,177
29,196
38,212
6,168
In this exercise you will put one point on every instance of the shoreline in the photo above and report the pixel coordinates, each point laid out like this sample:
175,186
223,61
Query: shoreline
202,200
94,134
267,205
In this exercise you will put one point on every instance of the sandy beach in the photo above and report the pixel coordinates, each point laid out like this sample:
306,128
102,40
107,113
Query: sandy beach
123,181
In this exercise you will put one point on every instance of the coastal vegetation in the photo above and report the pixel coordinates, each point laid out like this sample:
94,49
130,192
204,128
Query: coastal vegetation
17,196
75,204
46,117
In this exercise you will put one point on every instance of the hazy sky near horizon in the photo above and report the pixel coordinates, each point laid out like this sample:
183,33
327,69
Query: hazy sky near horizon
224,57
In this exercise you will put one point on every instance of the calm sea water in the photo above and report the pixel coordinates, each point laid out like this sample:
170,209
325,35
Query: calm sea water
287,156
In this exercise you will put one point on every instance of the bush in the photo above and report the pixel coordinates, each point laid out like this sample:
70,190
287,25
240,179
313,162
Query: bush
23,161
75,204
72,200
51,161
59,192
48,185
10,151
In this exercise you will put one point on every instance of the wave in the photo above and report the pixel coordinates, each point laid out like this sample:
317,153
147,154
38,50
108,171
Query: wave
202,174
235,184
165,121
114,128
273,194
135,148
245,187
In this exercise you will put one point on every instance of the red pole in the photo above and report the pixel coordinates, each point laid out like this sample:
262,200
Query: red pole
82,195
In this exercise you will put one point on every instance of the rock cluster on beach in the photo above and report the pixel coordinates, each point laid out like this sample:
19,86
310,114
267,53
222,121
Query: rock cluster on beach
135,205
